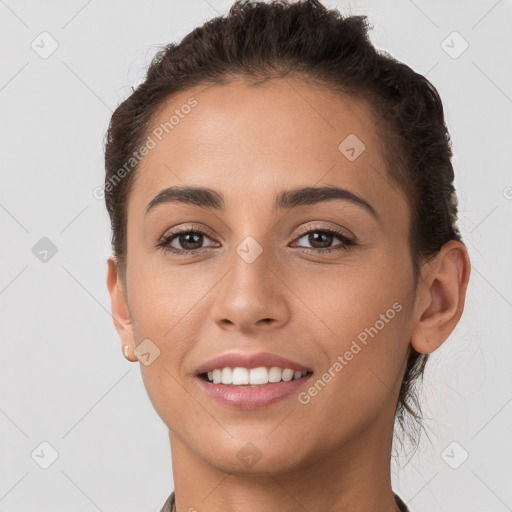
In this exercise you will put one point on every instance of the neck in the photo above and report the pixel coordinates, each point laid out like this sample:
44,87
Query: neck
355,477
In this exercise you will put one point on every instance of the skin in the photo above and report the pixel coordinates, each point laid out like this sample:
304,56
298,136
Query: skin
249,143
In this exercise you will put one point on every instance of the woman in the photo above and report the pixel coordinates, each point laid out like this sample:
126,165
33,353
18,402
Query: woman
285,256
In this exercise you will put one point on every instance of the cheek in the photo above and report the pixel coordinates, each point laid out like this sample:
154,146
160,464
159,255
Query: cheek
363,320
165,306
367,343
162,296
361,294
361,379
169,308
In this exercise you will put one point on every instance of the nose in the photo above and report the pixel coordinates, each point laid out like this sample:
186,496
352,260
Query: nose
252,296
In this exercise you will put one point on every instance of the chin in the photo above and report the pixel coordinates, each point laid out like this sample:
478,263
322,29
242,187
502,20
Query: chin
241,456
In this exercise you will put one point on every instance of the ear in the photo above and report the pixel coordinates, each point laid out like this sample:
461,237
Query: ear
440,297
120,310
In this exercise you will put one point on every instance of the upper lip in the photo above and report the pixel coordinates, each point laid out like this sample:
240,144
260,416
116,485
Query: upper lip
254,360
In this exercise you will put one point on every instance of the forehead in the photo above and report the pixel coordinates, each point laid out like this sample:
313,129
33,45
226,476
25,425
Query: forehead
253,140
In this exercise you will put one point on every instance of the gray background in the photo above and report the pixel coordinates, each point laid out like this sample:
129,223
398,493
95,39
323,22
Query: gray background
64,379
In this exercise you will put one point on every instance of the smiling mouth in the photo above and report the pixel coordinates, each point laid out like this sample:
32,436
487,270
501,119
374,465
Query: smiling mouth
253,377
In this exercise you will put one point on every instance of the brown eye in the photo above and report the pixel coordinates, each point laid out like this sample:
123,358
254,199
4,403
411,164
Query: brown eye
185,241
321,239
189,241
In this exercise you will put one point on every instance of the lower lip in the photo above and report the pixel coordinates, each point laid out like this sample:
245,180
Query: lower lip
252,397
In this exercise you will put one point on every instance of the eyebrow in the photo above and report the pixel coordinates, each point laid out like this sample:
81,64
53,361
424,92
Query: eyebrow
207,198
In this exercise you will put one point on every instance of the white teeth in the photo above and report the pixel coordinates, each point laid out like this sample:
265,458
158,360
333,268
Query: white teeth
258,376
240,376
227,376
217,376
274,374
287,375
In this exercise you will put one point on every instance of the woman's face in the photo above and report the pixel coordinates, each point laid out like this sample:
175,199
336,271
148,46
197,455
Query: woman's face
257,280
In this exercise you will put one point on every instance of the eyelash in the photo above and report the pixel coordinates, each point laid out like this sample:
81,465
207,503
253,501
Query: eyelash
347,242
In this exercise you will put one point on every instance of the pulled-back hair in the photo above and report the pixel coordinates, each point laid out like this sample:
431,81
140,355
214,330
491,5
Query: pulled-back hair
259,41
